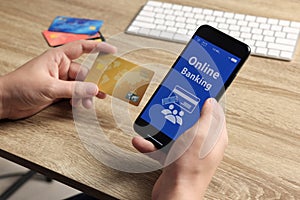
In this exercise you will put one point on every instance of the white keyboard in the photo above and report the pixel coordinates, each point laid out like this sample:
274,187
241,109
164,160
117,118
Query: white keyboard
267,37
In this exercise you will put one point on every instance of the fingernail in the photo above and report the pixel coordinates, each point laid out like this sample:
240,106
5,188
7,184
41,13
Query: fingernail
212,100
91,90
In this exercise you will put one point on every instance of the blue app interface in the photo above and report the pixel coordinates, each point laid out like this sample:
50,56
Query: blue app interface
200,73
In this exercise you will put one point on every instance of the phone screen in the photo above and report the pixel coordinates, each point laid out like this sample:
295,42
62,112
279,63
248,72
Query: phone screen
200,72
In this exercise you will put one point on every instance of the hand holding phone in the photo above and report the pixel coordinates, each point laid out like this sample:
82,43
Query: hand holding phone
206,67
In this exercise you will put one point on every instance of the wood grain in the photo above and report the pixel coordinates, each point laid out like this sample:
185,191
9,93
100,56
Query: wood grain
262,108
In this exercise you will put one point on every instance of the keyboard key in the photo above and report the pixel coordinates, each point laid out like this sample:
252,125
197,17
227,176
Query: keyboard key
180,25
228,15
177,7
169,12
218,13
154,3
260,44
145,19
167,35
284,23
276,28
170,17
280,34
234,34
159,21
231,21
245,29
292,36
191,26
253,24
181,38
182,31
189,14
197,10
179,13
154,33
250,18
143,24
171,29
261,50
158,10
295,25
148,8
269,39
286,54
256,31
242,23
273,52
234,27
161,27
285,41
220,19
191,21
160,16
290,30
167,5
133,29
208,12
144,31
280,47
187,9
249,42
246,35
261,20
273,21
223,26
257,37
268,32
180,19
147,13
239,16
199,16
169,23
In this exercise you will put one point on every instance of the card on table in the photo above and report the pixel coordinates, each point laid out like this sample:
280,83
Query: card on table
120,78
75,25
59,38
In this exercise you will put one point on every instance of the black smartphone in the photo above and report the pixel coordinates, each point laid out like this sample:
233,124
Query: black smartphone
205,68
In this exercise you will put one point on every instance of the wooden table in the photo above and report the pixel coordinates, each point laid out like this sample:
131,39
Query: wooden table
262,108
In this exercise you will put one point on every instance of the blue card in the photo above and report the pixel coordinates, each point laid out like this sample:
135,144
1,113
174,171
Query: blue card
75,25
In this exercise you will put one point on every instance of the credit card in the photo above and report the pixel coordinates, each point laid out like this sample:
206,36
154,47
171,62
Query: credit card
120,78
58,38
75,25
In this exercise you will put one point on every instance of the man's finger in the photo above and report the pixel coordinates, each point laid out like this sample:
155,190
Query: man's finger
201,127
142,145
77,71
75,49
72,89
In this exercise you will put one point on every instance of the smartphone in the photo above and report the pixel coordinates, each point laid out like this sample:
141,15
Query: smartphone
205,68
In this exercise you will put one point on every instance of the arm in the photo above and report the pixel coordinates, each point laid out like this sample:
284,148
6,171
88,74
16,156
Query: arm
2,115
189,176
48,78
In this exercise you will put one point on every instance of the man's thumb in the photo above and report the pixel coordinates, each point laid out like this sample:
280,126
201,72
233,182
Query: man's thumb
74,89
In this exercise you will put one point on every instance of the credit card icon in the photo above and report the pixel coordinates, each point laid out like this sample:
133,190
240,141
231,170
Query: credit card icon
185,100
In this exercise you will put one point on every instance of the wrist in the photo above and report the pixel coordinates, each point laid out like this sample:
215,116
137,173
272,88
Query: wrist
178,187
3,95
1,98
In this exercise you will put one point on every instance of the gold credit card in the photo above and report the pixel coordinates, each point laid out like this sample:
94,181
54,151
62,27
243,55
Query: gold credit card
120,78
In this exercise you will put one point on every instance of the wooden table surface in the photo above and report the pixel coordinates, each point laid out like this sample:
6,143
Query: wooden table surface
262,160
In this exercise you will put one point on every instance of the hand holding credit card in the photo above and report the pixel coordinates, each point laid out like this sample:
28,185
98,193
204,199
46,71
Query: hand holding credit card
120,78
